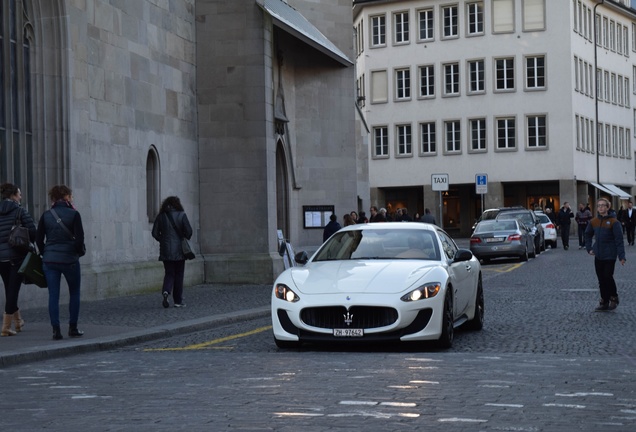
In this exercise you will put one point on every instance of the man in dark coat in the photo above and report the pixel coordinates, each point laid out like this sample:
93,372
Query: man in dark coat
331,228
428,217
563,222
629,222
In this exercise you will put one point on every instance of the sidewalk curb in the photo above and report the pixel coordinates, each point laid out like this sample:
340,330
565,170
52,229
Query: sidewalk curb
78,346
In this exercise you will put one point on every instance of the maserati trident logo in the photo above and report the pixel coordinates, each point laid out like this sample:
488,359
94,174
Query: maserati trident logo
348,318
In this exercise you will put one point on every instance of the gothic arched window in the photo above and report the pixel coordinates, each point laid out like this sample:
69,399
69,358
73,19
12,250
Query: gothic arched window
153,186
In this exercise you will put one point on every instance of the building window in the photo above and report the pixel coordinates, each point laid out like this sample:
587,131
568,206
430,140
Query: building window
535,73
608,140
403,84
503,16
477,134
381,141
537,136
427,133
450,22
601,144
451,79
452,134
378,31
16,127
404,140
427,24
153,186
533,15
505,74
360,38
475,18
476,77
427,81
401,27
379,87
360,92
506,138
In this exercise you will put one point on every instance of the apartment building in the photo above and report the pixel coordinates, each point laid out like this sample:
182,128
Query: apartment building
515,91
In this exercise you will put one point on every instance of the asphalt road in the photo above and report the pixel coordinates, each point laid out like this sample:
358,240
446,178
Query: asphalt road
545,361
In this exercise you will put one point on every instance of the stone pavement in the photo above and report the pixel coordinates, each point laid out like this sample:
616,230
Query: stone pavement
116,322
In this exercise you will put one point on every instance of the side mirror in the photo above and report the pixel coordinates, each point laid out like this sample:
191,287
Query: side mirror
463,255
301,257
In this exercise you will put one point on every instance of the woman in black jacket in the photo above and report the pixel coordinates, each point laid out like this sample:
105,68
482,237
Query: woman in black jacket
11,258
170,226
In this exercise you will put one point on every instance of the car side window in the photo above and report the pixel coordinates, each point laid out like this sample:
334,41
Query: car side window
450,249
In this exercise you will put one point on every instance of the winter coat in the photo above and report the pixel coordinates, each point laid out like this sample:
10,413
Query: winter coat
564,216
331,228
54,243
608,235
169,240
9,210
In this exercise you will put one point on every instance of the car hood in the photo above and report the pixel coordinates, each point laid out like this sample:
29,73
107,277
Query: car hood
354,276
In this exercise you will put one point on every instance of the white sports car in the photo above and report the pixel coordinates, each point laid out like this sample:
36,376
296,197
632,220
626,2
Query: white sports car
402,281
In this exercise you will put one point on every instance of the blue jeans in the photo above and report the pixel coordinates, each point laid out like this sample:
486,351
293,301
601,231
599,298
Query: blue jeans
73,275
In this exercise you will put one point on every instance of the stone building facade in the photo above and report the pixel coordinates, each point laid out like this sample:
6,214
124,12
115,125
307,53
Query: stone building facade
243,108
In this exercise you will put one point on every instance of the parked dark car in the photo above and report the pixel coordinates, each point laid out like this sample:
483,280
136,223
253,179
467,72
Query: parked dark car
502,238
530,220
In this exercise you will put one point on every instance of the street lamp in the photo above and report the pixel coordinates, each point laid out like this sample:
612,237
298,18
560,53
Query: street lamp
596,83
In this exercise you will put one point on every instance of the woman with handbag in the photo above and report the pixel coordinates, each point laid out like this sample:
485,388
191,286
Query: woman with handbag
170,228
60,237
12,216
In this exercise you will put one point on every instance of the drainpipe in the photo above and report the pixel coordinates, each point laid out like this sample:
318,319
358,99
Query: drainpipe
598,171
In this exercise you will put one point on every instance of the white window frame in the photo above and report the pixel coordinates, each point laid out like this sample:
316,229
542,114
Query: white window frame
450,22
506,133
508,71
402,84
451,80
533,15
480,80
401,28
475,25
426,81
536,134
503,16
479,126
383,146
403,140
379,86
428,130
452,130
378,23
429,15
537,73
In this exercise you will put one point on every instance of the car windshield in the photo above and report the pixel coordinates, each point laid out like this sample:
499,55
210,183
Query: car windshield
544,219
495,225
380,244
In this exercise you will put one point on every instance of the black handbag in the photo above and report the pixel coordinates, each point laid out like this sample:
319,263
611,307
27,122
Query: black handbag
80,248
31,268
185,244
19,235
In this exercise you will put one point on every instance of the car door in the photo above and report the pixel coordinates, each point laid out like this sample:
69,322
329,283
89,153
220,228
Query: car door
461,274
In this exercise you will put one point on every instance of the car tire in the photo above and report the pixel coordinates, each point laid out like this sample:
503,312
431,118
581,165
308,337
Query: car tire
533,254
477,323
286,344
448,331
543,245
524,257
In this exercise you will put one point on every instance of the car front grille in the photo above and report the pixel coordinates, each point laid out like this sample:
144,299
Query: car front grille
366,317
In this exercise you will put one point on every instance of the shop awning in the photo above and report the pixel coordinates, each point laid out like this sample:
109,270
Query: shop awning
293,22
617,191
602,189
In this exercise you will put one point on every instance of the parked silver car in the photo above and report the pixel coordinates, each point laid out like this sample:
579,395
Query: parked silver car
501,238
531,221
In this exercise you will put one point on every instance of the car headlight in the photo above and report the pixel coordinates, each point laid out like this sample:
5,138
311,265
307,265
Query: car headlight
423,292
283,292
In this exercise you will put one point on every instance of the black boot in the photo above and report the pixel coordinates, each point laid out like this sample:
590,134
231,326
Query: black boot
73,331
57,333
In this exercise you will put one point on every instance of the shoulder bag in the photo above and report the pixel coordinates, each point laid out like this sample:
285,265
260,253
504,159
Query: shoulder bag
79,248
19,235
31,268
185,244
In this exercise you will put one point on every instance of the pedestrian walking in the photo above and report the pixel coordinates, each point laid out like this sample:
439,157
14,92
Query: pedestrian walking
376,216
11,213
607,233
60,238
583,217
170,226
331,228
629,222
563,222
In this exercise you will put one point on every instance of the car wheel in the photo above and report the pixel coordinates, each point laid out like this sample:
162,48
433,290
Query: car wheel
287,344
448,332
477,323
524,257
533,254
543,245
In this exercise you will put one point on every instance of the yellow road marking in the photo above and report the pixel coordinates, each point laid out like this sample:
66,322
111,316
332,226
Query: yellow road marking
205,345
503,268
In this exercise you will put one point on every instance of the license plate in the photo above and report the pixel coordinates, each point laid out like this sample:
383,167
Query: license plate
352,332
494,240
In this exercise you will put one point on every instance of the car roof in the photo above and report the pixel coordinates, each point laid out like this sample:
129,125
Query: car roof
391,226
